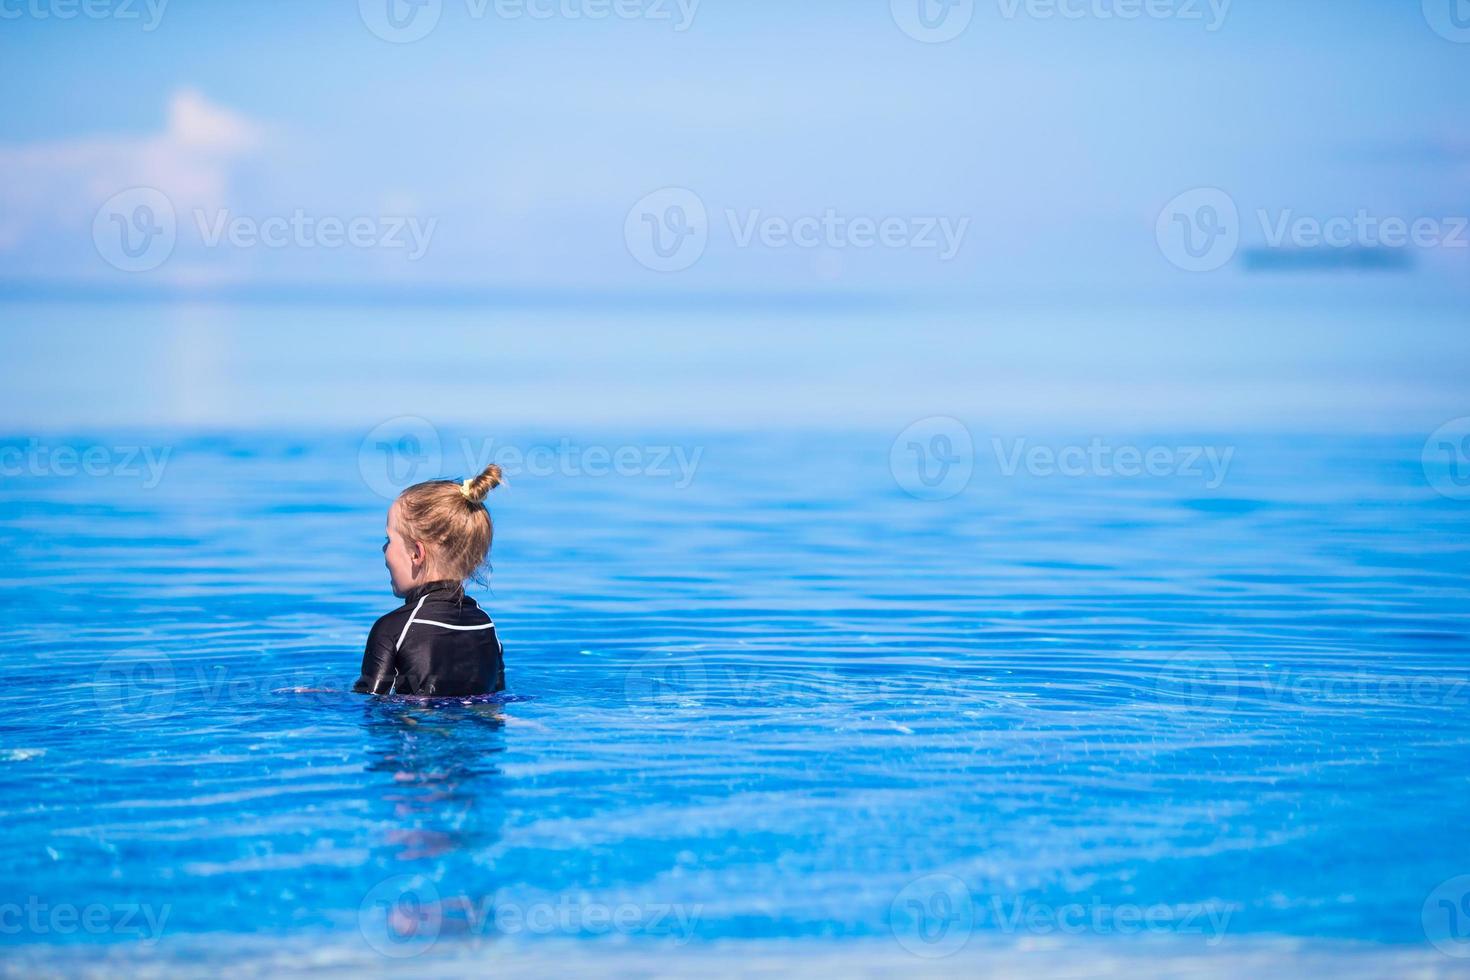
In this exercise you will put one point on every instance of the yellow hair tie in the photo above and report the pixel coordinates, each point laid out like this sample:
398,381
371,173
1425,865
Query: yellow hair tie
464,488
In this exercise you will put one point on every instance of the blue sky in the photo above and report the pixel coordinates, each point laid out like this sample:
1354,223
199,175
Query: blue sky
1048,186
527,141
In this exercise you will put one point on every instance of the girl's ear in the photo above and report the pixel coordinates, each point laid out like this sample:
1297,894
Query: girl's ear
419,554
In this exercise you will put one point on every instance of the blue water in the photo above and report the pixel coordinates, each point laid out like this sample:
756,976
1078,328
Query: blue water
788,701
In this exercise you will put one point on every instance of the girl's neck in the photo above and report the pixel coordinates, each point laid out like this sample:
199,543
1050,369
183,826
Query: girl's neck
428,585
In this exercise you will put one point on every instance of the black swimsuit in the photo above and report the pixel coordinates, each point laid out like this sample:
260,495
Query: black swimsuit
439,643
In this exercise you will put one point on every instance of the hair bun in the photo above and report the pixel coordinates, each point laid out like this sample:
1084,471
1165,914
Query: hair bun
477,488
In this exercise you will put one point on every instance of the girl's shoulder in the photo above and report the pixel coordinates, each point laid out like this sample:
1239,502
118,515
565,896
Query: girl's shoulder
392,620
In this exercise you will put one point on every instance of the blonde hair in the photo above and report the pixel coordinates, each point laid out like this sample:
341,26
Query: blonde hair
452,519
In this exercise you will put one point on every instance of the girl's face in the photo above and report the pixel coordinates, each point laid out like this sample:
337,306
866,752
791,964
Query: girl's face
404,558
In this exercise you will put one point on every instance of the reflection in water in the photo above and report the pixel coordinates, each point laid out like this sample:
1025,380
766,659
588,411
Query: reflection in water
441,759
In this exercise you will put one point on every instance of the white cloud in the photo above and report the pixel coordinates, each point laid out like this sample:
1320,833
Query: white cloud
55,187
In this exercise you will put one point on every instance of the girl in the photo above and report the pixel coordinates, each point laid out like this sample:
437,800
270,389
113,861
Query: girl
439,642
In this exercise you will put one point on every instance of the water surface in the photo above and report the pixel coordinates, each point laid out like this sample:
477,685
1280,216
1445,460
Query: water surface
771,698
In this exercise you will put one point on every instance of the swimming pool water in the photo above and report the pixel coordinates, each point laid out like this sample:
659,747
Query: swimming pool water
764,695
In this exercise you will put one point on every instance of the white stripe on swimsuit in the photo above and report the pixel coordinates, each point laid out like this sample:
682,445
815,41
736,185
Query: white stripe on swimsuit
430,622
